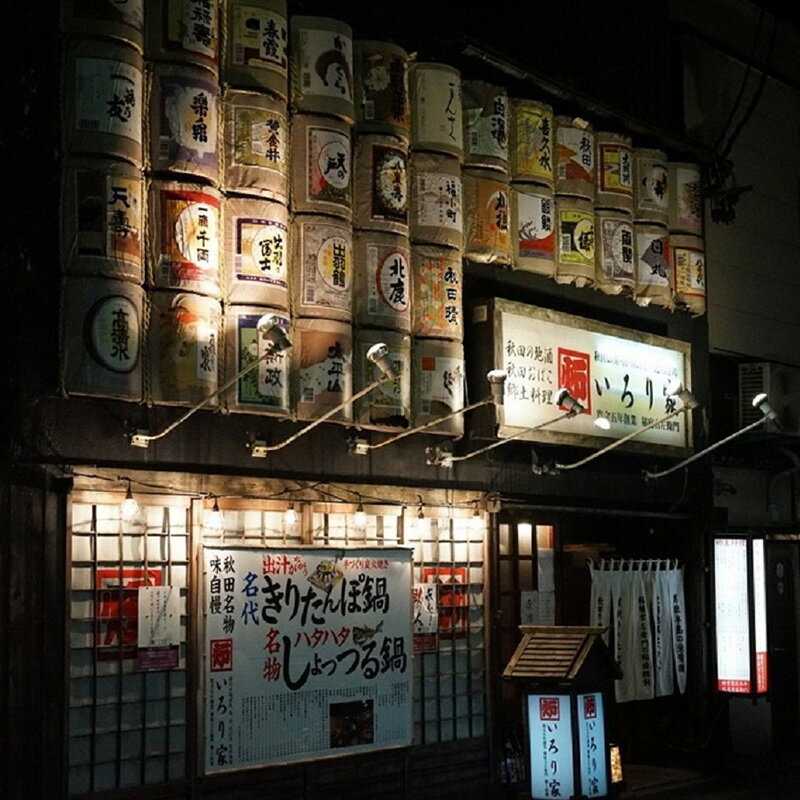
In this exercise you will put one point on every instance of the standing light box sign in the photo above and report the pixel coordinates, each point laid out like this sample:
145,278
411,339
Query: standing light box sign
615,373
550,737
741,615
592,742
307,653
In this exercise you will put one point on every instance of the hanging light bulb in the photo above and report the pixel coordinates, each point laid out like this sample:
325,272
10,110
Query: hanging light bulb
290,516
129,509
360,518
476,523
215,520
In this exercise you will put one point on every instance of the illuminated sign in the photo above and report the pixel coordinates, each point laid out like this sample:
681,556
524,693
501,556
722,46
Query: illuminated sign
550,737
741,615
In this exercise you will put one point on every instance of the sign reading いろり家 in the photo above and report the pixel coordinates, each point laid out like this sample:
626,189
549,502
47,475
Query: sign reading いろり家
308,652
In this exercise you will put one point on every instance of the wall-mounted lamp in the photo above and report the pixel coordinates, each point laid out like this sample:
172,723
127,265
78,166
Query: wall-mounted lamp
675,389
496,378
378,355
760,401
270,329
439,457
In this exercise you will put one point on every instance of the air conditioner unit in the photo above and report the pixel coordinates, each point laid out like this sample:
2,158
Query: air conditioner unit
782,385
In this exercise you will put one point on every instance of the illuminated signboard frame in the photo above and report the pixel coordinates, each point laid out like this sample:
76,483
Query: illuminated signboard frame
740,615
614,372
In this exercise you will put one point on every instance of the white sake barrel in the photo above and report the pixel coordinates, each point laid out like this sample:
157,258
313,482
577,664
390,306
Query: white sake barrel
575,168
184,121
183,346
321,166
437,311
381,73
255,46
122,19
436,124
381,184
485,110
382,288
615,252
575,254
438,385
614,172
389,406
487,213
321,278
533,220
102,213
101,343
655,283
531,143
651,186
103,97
256,252
256,145
436,215
321,58
687,254
685,198
183,32
322,354
183,222
265,389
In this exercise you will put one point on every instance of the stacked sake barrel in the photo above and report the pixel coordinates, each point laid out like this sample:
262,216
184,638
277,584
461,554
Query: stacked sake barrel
321,280
436,228
686,247
575,174
102,201
382,279
655,282
614,235
184,275
255,184
533,210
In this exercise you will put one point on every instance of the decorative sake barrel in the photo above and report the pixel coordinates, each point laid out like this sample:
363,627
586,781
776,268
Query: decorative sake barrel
103,93
183,121
533,239
255,46
256,145
381,73
651,182
654,277
185,32
531,150
575,165
321,166
437,379
118,20
322,355
381,184
615,252
265,388
183,222
575,254
321,57
687,254
614,172
437,311
685,198
485,112
102,211
487,211
389,406
101,345
183,347
321,279
436,124
382,288
436,200
256,252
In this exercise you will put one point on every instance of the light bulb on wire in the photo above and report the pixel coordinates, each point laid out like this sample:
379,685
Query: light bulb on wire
215,520
476,522
290,516
129,508
360,518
